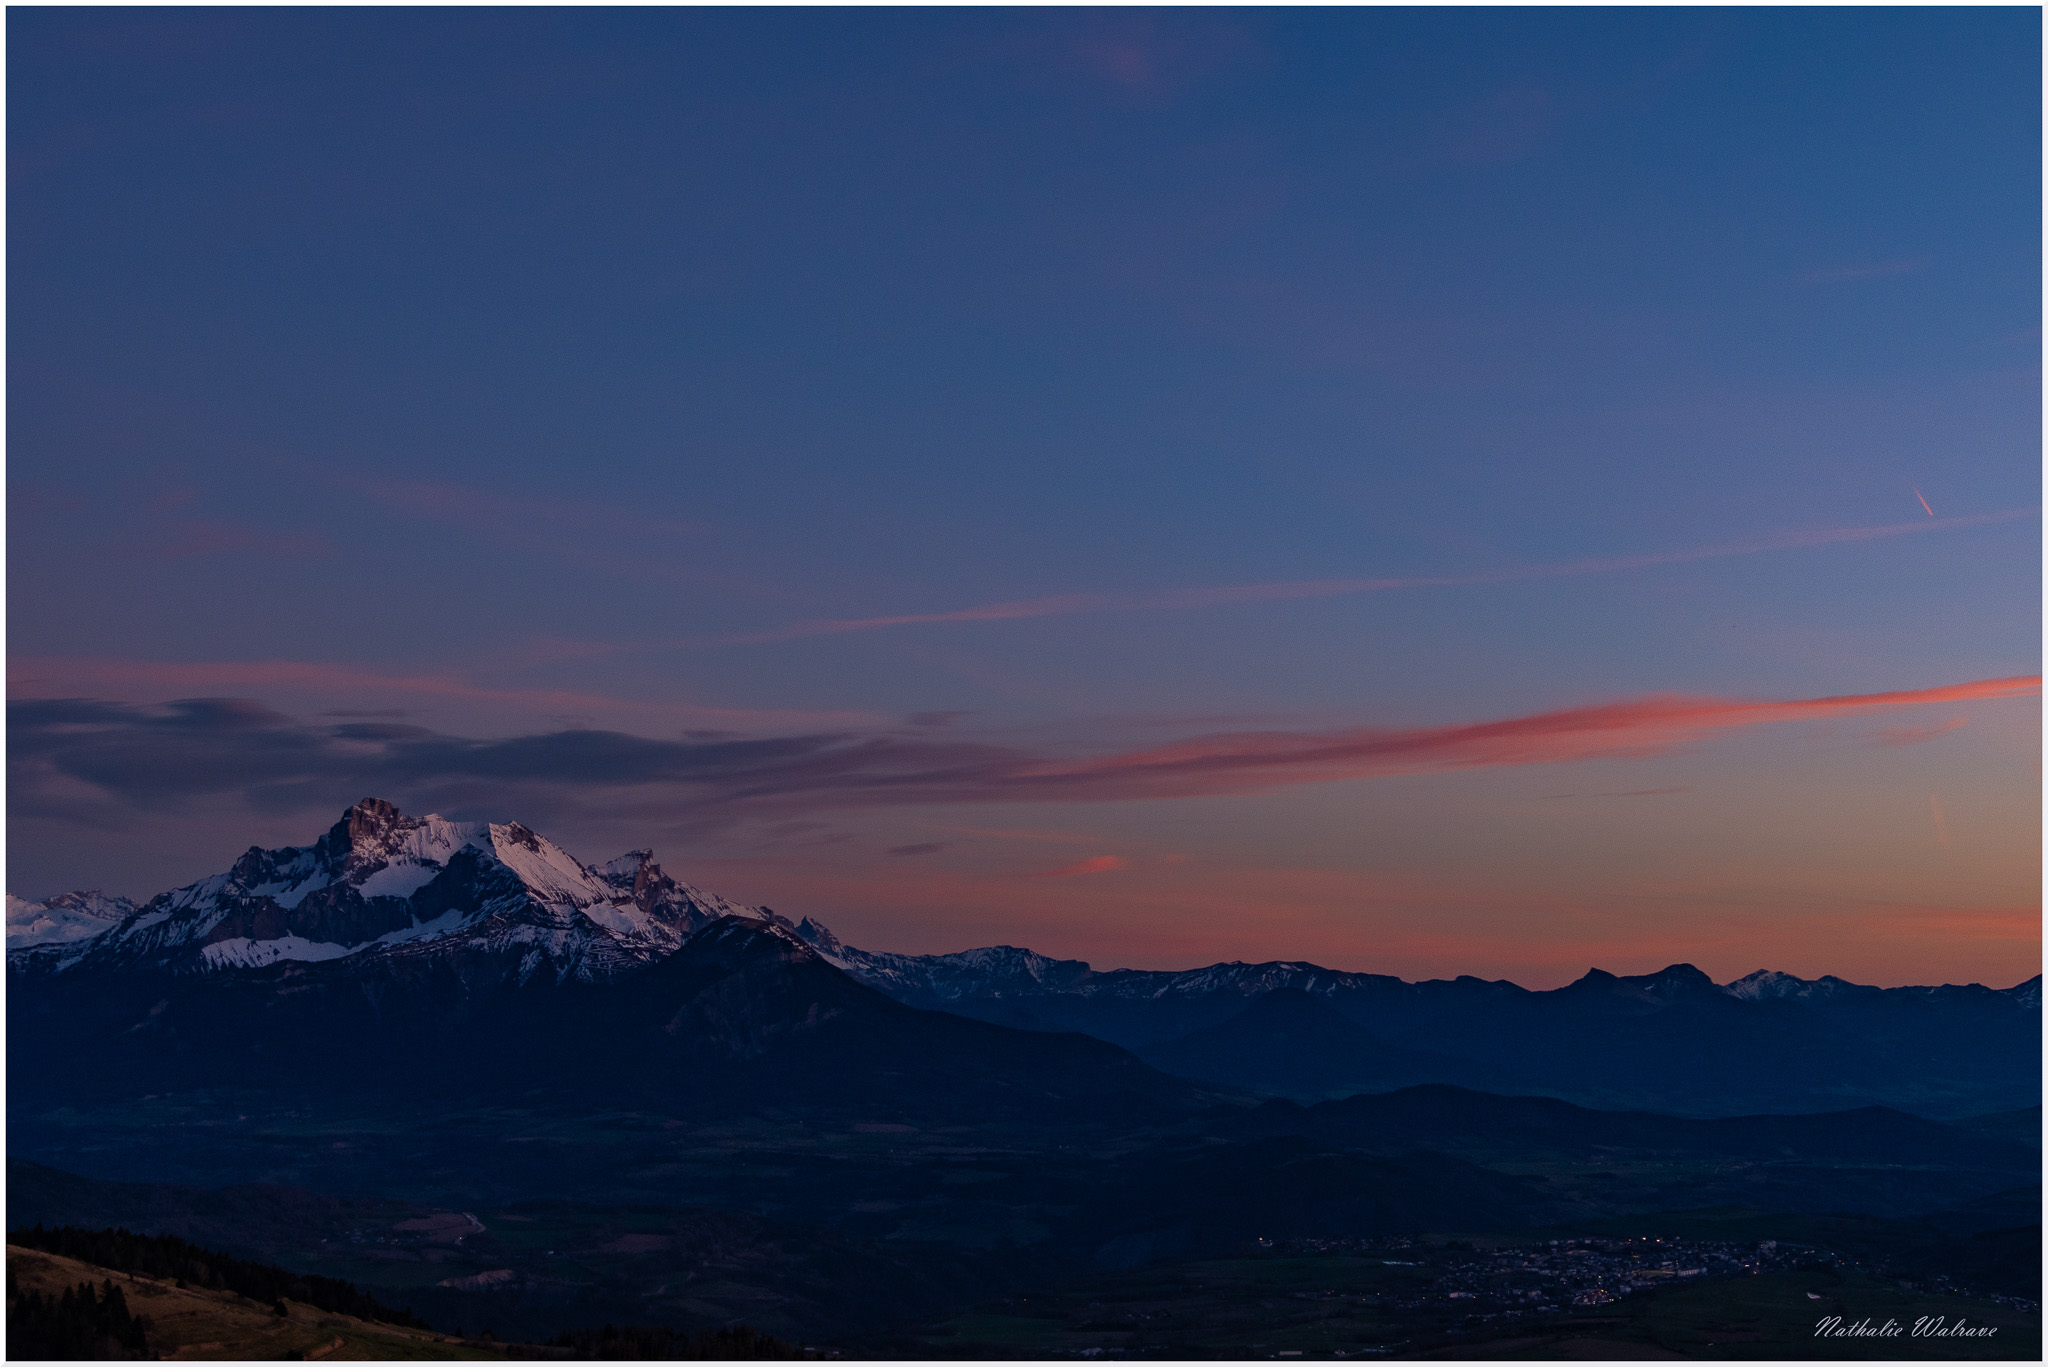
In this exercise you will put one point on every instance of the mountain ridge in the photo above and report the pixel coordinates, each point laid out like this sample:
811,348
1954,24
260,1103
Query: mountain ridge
369,883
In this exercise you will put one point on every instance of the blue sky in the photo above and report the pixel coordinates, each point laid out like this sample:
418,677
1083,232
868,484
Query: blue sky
524,374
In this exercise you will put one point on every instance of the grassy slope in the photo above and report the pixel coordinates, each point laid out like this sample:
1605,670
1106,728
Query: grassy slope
197,1325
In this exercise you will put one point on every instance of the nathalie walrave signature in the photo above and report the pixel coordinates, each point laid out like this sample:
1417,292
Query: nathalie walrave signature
1926,1327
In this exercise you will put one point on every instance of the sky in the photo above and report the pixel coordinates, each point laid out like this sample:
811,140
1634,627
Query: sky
1421,491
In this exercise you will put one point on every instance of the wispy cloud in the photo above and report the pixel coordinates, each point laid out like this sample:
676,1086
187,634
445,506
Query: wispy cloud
198,537
495,512
1252,761
1916,735
1073,603
61,750
332,688
619,539
1872,270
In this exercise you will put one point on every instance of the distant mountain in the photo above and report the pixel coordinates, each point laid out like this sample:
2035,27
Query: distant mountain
43,936
1671,1040
64,919
1128,1006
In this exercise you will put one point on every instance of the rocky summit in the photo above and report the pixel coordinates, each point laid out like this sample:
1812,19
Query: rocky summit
382,886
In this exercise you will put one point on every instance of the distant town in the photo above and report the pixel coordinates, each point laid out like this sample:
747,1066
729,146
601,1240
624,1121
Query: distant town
1574,1274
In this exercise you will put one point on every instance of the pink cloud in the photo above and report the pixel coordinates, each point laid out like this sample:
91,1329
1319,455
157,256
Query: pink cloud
1260,760
1915,735
199,537
1101,863
491,510
1632,792
633,542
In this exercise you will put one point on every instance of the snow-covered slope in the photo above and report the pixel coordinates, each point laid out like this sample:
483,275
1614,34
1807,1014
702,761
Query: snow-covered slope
64,919
384,885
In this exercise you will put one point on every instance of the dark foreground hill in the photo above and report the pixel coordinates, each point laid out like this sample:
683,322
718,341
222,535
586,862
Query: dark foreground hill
1290,1235
69,1307
741,1017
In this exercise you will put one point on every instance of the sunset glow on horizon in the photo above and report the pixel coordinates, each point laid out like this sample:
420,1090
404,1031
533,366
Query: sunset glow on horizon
1422,492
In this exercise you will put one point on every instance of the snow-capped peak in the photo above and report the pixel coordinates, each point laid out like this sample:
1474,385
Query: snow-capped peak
381,883
63,919
1768,984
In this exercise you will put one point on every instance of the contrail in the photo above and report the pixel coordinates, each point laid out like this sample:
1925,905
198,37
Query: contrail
1073,603
1923,499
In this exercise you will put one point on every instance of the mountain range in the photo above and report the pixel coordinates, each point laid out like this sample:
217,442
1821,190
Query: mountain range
470,936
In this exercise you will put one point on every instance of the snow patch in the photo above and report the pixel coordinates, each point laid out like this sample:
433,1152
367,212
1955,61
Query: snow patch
289,895
628,920
398,880
243,952
447,923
